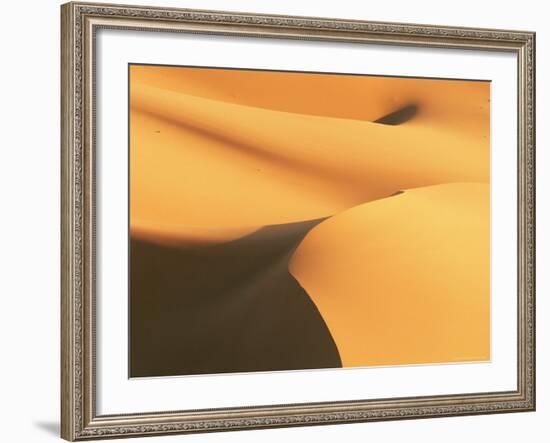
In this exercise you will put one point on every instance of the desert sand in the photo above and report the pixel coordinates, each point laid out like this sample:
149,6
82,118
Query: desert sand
414,288
377,187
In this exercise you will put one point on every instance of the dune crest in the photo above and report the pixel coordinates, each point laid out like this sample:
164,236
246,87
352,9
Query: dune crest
356,97
415,288
286,221
231,307
249,166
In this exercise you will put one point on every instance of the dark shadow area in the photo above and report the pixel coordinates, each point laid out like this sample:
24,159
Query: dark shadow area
398,117
231,307
50,427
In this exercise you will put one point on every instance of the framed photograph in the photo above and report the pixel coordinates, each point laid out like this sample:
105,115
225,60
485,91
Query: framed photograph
282,221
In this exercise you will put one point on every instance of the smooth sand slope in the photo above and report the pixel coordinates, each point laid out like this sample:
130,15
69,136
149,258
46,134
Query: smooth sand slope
216,156
198,162
415,288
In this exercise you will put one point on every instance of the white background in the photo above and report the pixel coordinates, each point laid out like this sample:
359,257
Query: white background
117,394
29,221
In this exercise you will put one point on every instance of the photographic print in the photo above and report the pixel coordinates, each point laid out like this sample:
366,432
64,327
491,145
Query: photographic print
303,220
273,221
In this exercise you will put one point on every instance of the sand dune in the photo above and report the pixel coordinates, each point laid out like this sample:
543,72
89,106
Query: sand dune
245,166
232,307
293,221
415,288
455,104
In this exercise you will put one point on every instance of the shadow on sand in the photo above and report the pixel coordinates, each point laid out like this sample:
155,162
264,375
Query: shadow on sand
231,307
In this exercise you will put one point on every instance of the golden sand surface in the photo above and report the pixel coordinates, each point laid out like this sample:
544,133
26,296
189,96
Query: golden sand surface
218,154
404,279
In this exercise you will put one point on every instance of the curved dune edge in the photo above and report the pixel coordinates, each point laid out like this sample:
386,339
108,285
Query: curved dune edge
415,289
231,307
355,97
263,236
303,141
246,166
186,236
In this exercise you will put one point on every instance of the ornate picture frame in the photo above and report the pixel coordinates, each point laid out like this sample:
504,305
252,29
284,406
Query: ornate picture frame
80,23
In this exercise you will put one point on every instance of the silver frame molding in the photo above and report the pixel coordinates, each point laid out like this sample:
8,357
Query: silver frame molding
79,22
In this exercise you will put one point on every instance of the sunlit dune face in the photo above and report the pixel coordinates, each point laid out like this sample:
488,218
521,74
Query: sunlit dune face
227,160
404,279
251,148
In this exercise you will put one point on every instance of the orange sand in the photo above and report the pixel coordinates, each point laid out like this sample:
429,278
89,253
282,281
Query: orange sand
216,154
404,279
247,166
